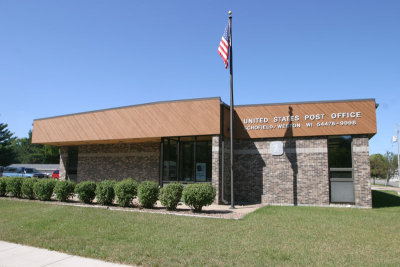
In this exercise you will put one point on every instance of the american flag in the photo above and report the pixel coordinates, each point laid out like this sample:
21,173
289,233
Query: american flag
223,49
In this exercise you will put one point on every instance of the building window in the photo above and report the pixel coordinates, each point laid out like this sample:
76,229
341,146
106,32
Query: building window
203,161
170,157
186,159
341,169
72,163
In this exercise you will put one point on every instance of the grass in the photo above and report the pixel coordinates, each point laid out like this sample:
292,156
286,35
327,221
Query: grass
270,236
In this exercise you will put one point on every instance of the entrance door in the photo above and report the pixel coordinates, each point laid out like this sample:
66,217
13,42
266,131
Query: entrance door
340,169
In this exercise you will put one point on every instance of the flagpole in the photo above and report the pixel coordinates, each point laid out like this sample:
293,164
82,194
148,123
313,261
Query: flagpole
231,106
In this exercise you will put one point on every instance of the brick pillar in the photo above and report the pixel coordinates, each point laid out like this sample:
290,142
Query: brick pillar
216,166
63,162
361,171
215,179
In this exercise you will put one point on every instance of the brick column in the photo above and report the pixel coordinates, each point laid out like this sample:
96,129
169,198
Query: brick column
361,171
216,166
63,162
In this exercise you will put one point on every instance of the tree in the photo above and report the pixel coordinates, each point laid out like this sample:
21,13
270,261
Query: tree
51,154
6,152
378,166
26,152
383,166
392,165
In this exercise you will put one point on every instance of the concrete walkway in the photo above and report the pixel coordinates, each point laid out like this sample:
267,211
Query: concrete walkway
388,188
14,255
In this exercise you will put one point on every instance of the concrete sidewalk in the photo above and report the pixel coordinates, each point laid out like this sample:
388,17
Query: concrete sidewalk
15,255
389,188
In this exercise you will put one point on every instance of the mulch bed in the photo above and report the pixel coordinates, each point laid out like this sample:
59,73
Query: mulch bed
182,210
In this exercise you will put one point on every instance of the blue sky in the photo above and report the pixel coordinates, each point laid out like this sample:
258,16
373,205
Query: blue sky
60,57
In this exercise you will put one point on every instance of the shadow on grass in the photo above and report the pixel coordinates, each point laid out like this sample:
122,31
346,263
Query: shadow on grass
384,199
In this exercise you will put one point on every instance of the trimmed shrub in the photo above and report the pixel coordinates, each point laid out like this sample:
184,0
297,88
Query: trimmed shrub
3,186
86,191
198,195
148,194
64,190
170,195
13,186
43,189
105,192
126,191
27,188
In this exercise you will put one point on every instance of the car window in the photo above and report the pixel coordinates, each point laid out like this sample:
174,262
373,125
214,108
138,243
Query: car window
10,169
56,172
29,170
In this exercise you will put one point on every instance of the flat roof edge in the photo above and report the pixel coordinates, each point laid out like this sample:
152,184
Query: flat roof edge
211,98
309,102
129,106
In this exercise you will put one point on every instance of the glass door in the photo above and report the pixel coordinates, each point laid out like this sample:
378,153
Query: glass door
340,169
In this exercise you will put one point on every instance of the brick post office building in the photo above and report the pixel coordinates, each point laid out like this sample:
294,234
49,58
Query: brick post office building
309,153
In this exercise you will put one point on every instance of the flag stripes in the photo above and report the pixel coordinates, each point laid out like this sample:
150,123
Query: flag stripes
223,49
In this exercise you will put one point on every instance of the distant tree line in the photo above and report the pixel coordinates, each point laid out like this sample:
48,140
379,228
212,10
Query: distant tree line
21,150
383,166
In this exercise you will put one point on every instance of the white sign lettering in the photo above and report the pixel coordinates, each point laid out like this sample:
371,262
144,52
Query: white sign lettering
295,121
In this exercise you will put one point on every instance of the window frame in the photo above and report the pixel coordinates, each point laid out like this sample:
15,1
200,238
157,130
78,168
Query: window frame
336,169
195,139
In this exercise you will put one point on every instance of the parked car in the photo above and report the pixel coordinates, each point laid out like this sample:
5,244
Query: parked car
56,175
1,170
23,172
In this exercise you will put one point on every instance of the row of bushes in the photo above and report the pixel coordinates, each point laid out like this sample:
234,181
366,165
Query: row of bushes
194,195
32,188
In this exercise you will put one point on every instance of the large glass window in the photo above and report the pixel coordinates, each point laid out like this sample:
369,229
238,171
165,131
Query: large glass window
340,169
187,159
170,155
203,161
72,163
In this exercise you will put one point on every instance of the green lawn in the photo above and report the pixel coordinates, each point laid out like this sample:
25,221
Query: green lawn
269,236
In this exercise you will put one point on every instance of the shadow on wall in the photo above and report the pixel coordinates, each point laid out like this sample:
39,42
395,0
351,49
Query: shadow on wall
291,154
248,167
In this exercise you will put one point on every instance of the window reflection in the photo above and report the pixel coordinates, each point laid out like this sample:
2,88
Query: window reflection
339,152
187,159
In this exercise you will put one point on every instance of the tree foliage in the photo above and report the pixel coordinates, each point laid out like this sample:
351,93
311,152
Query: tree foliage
378,165
7,154
26,152
21,150
392,164
383,166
